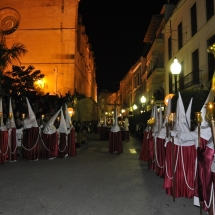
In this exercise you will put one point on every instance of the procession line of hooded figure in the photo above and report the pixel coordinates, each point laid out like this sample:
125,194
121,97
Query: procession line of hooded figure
50,144
186,173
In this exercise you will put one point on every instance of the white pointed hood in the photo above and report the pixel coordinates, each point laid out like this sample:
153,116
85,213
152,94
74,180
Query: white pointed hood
210,98
167,111
181,124
126,124
115,127
31,120
50,128
99,124
62,127
160,119
152,115
188,113
13,125
162,133
68,118
205,131
155,112
1,110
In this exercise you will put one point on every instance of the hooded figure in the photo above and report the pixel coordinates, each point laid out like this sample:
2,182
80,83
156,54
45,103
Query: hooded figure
71,135
4,145
115,137
205,160
180,156
31,135
2,126
144,152
125,132
63,148
30,121
160,142
12,135
126,124
205,131
49,148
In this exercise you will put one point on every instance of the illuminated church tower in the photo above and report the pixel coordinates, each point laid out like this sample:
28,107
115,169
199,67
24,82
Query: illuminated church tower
49,31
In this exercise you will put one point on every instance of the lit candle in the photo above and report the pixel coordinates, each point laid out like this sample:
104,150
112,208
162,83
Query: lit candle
10,115
23,116
198,117
210,110
42,116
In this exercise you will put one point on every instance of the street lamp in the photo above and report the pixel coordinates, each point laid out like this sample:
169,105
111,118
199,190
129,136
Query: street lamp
134,107
143,101
175,69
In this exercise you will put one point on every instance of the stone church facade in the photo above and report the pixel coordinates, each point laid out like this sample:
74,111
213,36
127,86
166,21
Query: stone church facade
57,45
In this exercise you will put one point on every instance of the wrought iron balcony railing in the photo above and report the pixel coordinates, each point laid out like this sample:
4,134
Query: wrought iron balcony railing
187,81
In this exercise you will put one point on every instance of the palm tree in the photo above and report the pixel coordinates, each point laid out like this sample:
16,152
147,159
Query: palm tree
21,80
8,55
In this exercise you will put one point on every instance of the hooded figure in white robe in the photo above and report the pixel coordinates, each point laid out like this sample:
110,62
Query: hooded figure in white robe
63,144
115,137
205,160
4,144
71,135
12,135
31,136
49,147
180,156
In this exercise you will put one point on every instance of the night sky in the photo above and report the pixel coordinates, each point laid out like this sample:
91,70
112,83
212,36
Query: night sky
116,30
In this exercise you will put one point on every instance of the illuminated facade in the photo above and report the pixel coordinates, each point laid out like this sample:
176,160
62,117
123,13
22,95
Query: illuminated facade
56,42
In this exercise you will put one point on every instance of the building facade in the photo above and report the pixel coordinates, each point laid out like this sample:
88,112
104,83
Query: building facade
183,31
56,42
188,33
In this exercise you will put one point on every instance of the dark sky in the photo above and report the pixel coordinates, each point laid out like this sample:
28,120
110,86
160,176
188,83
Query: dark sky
116,30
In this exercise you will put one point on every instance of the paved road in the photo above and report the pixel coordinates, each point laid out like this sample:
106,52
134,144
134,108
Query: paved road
92,183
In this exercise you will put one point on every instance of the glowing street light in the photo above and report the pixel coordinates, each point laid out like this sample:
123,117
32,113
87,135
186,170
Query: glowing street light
175,69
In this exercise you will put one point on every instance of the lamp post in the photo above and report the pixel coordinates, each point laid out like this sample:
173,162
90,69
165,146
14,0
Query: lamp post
171,122
134,107
143,101
175,69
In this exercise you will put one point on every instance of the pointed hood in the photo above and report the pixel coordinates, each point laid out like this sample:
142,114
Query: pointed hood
152,115
167,111
99,123
13,125
31,120
181,124
162,132
62,127
126,124
126,121
210,98
188,113
160,119
50,128
68,118
155,112
1,110
115,127
205,126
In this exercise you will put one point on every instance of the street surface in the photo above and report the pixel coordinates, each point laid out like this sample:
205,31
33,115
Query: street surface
94,182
